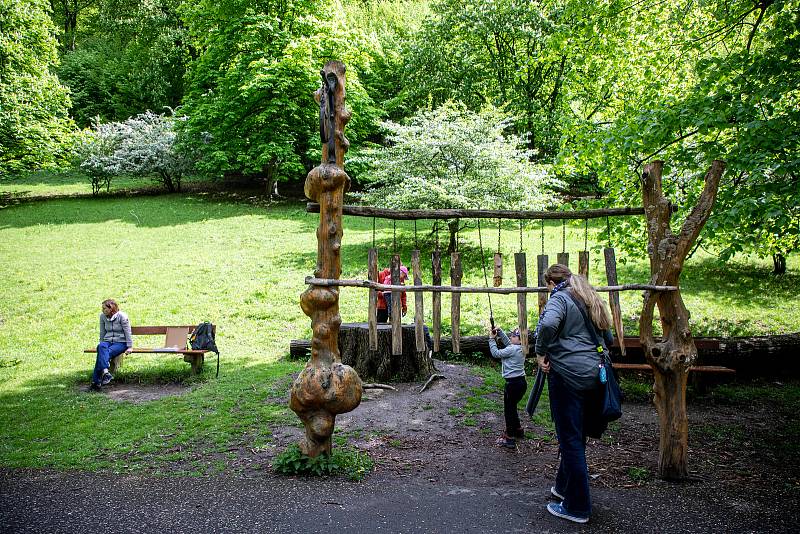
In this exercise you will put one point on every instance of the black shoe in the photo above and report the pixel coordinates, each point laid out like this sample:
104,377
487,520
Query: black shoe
517,434
93,388
106,379
506,442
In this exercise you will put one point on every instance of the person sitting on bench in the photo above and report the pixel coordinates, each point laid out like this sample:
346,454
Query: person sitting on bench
115,338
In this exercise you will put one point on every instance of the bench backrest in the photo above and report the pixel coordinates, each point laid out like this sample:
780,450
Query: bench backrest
175,335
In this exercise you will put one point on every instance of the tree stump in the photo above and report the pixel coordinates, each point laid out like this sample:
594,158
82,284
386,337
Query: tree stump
380,365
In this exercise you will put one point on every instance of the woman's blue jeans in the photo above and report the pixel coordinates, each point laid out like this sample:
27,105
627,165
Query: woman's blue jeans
105,351
569,408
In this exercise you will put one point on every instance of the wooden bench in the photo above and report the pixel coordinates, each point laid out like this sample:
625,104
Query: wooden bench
175,342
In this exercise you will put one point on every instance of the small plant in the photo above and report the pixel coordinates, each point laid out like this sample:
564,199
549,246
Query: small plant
349,462
639,475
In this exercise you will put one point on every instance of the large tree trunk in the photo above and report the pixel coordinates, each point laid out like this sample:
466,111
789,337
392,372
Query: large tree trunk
380,365
672,356
778,263
326,387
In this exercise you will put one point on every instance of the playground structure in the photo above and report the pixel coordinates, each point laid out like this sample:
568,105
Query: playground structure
326,387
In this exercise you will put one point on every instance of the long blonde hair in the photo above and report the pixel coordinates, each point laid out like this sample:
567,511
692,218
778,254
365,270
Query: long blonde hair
582,289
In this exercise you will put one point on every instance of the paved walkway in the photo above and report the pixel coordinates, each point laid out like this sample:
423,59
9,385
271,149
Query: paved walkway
53,502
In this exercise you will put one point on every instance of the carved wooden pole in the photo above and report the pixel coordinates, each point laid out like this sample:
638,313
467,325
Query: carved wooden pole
676,352
326,387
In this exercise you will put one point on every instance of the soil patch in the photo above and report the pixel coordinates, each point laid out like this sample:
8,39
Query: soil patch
139,393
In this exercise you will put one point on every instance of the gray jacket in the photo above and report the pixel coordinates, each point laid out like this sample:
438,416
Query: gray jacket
512,358
563,337
117,329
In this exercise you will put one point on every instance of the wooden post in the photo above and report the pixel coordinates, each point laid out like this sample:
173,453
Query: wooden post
613,296
672,356
542,263
436,299
455,306
326,387
522,299
563,258
583,263
498,269
397,311
419,315
372,315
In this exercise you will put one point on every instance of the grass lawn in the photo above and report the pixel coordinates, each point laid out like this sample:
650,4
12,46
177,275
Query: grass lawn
181,259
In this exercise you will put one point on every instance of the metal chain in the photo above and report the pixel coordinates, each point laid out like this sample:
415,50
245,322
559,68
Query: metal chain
585,234
542,237
416,243
394,237
563,235
608,231
520,236
373,232
498,235
485,276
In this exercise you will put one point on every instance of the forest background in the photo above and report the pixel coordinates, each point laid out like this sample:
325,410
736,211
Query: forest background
592,89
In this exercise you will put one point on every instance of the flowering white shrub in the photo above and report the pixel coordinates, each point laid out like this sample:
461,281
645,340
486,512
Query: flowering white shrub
144,145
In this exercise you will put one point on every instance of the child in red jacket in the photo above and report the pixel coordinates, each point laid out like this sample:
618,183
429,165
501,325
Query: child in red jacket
385,297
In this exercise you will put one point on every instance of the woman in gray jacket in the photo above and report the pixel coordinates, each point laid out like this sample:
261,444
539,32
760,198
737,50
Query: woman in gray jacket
565,350
115,338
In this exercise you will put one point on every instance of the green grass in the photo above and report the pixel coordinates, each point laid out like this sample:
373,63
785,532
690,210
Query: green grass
181,259
71,183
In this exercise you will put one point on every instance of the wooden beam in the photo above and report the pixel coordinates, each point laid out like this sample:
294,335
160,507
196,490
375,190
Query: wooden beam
470,289
436,298
541,268
397,325
522,301
455,307
372,314
410,215
419,314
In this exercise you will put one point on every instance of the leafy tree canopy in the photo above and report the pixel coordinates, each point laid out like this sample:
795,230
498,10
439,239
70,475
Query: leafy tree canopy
33,104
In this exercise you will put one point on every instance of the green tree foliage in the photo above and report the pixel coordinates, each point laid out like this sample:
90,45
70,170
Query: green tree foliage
513,53
130,58
716,80
249,94
33,104
449,157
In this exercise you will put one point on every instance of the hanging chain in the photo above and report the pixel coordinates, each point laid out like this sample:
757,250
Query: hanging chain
585,234
416,243
455,249
563,235
498,235
608,231
394,237
436,231
542,237
373,232
520,235
485,276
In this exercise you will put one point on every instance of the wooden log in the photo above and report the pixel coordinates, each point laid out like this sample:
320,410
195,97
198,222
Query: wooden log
455,306
397,311
583,263
563,258
419,314
498,269
381,365
472,289
410,215
372,315
542,263
520,266
436,299
613,296
776,354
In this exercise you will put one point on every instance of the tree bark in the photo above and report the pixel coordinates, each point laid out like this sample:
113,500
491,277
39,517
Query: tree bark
672,356
778,263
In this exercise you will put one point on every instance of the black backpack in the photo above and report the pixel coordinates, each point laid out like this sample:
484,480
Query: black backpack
203,339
